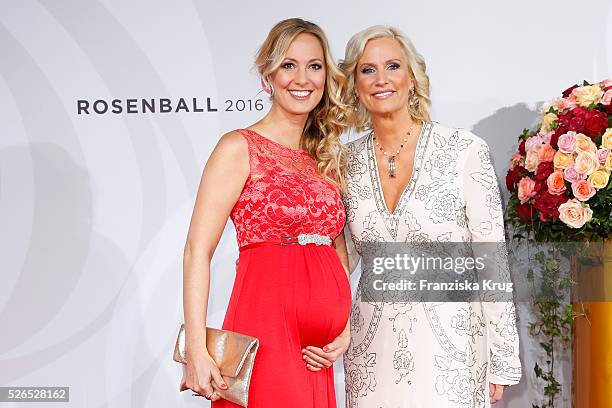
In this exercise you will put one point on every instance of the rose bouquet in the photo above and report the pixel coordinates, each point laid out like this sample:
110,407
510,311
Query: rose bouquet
559,178
560,190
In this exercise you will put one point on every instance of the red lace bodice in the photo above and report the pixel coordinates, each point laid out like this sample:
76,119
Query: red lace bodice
284,195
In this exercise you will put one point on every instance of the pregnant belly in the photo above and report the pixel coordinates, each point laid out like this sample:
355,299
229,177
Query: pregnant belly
322,320
290,293
324,302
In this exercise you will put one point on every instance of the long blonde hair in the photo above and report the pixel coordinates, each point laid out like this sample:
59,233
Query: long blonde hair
360,117
327,121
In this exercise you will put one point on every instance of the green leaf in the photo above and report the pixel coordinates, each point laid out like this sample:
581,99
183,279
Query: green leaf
538,371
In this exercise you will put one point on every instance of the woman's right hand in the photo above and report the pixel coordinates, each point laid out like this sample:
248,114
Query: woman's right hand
217,195
200,371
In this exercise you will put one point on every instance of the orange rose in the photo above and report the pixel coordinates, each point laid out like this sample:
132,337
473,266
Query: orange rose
526,189
583,190
556,183
546,153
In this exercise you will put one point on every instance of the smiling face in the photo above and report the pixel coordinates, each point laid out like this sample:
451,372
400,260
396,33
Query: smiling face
383,79
299,81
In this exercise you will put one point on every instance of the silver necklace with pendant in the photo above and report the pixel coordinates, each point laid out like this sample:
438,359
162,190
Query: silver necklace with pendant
391,167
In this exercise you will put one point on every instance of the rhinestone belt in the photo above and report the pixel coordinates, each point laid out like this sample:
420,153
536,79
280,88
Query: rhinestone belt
301,239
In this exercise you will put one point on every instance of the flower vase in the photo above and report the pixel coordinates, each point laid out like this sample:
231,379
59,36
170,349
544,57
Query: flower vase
592,331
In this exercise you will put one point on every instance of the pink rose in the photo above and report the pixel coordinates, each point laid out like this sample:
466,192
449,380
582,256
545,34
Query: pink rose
533,141
574,214
583,190
568,103
546,137
607,98
517,158
526,189
546,153
531,160
602,155
607,83
567,142
556,183
571,175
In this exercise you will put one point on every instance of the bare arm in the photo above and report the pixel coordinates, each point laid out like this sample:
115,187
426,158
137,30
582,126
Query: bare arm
222,182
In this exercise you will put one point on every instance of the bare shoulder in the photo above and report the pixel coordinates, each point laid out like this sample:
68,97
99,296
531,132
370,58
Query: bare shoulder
231,147
232,143
230,157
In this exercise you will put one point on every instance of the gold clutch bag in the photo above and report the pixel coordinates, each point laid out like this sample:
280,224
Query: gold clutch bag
233,353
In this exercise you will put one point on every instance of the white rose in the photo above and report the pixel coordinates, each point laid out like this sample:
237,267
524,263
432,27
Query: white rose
587,95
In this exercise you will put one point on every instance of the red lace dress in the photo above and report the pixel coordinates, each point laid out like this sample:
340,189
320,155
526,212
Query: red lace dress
287,296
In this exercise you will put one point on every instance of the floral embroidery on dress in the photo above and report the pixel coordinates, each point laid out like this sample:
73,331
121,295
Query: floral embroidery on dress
403,362
428,353
462,388
467,323
359,380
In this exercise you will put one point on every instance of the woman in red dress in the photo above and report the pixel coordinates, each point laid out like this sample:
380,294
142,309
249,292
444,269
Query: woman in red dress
279,181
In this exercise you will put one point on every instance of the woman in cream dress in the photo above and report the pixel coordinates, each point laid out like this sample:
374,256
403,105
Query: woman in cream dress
419,354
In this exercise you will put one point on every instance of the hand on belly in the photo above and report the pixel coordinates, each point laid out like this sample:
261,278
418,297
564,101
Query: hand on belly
317,358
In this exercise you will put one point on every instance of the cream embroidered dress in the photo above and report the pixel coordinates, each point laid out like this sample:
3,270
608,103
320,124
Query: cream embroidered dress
425,354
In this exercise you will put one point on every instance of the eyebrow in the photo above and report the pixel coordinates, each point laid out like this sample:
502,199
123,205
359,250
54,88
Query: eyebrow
294,60
386,62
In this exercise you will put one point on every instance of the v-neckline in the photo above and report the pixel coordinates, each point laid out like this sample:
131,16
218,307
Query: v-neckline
392,218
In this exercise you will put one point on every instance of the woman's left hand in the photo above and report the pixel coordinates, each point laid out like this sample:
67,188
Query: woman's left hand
495,392
319,358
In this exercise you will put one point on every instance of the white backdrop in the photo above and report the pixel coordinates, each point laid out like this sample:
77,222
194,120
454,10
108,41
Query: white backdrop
94,208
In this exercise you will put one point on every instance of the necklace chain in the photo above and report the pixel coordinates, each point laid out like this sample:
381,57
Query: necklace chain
391,168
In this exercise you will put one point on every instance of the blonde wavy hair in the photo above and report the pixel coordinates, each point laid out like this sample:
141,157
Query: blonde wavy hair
327,121
360,117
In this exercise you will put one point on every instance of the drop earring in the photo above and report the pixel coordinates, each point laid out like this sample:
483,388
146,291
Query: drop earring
267,87
413,100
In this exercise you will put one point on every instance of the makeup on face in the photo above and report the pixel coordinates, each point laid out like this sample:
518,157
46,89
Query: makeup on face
383,79
299,81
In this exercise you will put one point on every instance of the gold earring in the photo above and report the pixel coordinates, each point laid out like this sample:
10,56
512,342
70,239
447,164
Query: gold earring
413,100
